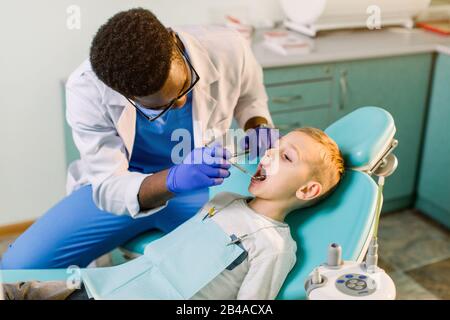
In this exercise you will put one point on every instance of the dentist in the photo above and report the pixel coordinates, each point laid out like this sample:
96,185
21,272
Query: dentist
141,84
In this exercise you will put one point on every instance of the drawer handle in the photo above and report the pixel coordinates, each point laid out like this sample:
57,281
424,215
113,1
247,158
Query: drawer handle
344,89
287,99
290,126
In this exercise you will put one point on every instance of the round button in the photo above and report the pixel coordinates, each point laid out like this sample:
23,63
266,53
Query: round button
358,287
350,285
362,277
340,281
353,281
360,283
348,276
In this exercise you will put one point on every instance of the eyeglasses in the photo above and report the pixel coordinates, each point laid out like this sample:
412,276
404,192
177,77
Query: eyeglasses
194,79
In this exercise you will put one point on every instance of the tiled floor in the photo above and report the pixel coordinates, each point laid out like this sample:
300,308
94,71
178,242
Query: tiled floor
414,251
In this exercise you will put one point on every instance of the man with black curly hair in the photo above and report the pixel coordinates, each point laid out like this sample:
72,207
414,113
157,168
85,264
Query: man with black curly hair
142,88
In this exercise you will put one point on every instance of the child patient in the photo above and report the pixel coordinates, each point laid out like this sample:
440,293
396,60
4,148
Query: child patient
303,167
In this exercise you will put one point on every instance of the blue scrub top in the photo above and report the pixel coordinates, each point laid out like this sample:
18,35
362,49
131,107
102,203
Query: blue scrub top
152,143
152,153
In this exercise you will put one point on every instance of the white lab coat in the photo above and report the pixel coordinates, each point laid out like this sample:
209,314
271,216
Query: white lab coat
103,121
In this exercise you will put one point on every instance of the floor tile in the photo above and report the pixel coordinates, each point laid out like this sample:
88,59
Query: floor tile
434,277
385,265
408,289
408,241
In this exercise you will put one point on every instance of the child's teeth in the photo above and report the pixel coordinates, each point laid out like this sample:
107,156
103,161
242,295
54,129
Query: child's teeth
260,174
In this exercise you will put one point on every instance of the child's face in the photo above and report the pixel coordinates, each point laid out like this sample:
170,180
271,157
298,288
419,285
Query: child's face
288,167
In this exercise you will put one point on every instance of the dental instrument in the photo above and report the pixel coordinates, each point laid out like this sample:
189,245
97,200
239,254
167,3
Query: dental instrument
239,154
237,166
240,168
236,154
253,177
246,235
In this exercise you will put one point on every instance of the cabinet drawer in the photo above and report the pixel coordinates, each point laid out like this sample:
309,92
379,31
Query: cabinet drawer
287,121
299,95
299,73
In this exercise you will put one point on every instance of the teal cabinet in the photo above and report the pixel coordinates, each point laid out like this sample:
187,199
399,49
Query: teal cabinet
399,85
288,121
289,74
317,95
300,96
434,180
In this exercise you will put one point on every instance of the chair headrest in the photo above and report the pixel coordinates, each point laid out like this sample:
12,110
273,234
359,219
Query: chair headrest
363,136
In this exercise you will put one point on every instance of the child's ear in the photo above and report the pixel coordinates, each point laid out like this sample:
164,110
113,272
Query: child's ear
309,191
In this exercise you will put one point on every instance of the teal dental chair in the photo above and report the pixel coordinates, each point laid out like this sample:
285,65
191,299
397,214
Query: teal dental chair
366,139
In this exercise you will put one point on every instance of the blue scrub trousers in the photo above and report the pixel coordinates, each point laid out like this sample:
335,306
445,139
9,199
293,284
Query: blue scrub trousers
75,231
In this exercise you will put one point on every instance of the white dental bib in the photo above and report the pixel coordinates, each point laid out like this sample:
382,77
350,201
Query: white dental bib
175,266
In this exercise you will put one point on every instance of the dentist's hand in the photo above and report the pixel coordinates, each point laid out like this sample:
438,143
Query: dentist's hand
259,140
202,167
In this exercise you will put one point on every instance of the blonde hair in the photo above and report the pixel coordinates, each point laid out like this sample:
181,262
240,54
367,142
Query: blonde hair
330,158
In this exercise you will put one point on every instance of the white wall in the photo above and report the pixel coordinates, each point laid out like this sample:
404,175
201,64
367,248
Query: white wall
37,51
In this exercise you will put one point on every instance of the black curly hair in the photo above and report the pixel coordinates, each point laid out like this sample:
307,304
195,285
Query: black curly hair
132,53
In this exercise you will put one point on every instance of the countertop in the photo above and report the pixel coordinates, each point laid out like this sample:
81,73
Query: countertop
341,45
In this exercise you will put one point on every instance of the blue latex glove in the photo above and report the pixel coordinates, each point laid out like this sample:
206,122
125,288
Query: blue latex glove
202,167
259,140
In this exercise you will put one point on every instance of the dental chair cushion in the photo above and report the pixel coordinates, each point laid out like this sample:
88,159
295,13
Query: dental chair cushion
136,246
11,276
362,136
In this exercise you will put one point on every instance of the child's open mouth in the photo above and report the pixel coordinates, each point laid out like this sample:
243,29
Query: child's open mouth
260,174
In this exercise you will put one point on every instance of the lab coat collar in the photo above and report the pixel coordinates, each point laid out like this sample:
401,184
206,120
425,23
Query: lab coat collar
203,102
200,59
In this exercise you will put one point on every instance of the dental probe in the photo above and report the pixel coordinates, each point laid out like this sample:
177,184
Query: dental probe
238,154
258,178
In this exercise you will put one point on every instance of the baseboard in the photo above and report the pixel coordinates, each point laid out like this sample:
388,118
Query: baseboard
15,228
434,211
397,204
